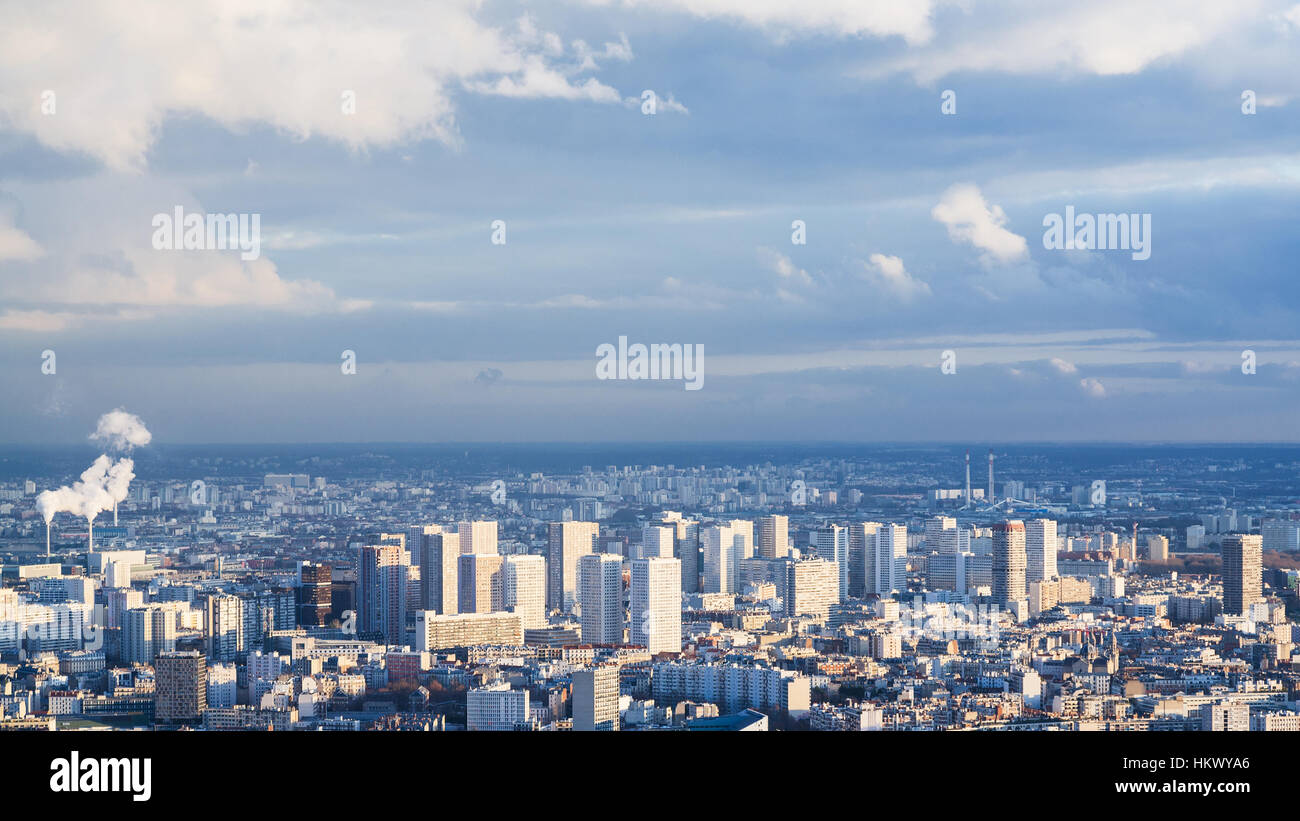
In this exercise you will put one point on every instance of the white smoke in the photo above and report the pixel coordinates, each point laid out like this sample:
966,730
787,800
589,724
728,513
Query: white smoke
121,431
106,482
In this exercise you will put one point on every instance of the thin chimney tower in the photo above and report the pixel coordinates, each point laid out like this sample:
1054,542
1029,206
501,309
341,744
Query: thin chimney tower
991,498
968,478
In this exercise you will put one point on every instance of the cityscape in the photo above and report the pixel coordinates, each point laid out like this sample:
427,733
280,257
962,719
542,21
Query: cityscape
771,588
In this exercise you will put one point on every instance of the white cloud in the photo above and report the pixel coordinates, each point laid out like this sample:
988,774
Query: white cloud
1093,387
784,267
285,64
969,218
851,18
889,274
1062,366
15,245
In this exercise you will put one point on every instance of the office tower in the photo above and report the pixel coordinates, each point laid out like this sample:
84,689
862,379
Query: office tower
1040,550
482,583
416,540
1281,535
496,707
442,632
773,537
224,622
888,562
595,699
656,604
439,572
526,589
567,543
601,597
812,586
935,527
832,544
316,581
862,547
146,632
657,540
1243,569
948,571
477,537
1009,562
1157,548
686,546
381,590
181,687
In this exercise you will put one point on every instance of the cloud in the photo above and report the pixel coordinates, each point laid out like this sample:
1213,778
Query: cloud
1105,37
888,273
15,245
969,218
1062,367
243,63
784,267
488,376
1093,387
848,18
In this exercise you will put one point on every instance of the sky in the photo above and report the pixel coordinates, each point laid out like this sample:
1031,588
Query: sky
377,147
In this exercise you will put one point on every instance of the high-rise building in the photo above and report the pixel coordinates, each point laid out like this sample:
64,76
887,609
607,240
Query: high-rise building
657,540
656,604
595,699
146,632
1243,572
1040,550
831,543
1009,562
416,540
600,586
496,707
381,590
725,546
567,543
862,548
224,622
888,566
525,582
439,573
180,686
773,537
477,537
316,581
482,583
441,632
1157,548
1281,535
812,586
686,546
1195,537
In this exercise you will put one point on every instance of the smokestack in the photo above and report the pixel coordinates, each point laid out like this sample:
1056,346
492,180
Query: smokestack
114,513
47,540
967,478
990,475
90,534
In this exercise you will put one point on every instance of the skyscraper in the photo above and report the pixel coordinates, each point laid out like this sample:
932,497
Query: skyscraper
315,584
526,589
812,586
832,544
862,548
595,699
1243,572
224,620
146,632
180,686
1040,550
656,604
601,597
439,573
657,540
773,537
381,590
482,583
1009,562
888,567
477,537
567,542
